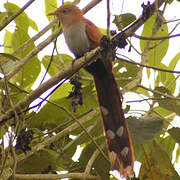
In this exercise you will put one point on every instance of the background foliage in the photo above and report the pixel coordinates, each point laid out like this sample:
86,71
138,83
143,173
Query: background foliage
44,140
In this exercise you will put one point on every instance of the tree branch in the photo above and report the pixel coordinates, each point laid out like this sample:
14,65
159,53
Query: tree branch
129,32
89,58
17,14
34,38
160,93
55,176
147,66
41,46
30,55
156,38
139,22
66,72
92,159
47,142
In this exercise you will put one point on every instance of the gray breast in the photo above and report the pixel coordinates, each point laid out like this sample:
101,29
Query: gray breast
77,40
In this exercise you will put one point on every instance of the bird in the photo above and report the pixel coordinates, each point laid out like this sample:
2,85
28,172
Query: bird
82,36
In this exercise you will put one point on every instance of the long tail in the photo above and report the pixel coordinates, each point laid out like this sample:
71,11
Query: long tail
115,126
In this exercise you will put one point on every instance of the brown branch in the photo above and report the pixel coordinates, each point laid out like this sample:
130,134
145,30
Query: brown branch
156,38
92,159
160,93
128,32
89,58
55,176
66,72
91,5
34,38
42,45
44,30
17,14
63,74
48,141
147,66
30,55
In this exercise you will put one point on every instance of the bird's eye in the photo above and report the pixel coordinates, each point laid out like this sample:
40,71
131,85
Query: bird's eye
64,11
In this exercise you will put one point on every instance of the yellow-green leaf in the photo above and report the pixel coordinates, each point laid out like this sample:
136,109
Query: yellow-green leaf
160,48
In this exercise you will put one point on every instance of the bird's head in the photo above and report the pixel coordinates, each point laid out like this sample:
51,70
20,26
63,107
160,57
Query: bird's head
67,14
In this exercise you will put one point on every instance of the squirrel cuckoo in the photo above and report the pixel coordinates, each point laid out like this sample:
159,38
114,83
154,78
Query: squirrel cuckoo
81,36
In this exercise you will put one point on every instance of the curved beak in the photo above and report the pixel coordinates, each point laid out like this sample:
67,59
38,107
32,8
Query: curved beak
51,14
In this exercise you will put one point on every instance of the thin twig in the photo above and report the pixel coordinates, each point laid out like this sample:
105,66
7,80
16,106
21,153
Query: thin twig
17,125
147,66
91,5
84,129
66,72
146,159
92,159
108,19
17,14
129,31
3,163
63,74
160,93
49,64
41,46
31,54
34,38
156,38
146,99
14,162
52,139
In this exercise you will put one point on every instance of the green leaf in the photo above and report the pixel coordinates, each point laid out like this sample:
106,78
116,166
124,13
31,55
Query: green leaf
7,42
174,61
139,151
123,20
163,112
22,21
3,17
29,73
168,143
142,91
56,64
50,115
175,134
5,56
8,62
18,38
61,92
50,6
170,104
103,31
167,79
93,118
126,70
38,162
33,24
155,54
70,148
144,129
157,164
159,155
177,154
93,127
100,164
8,66
170,1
